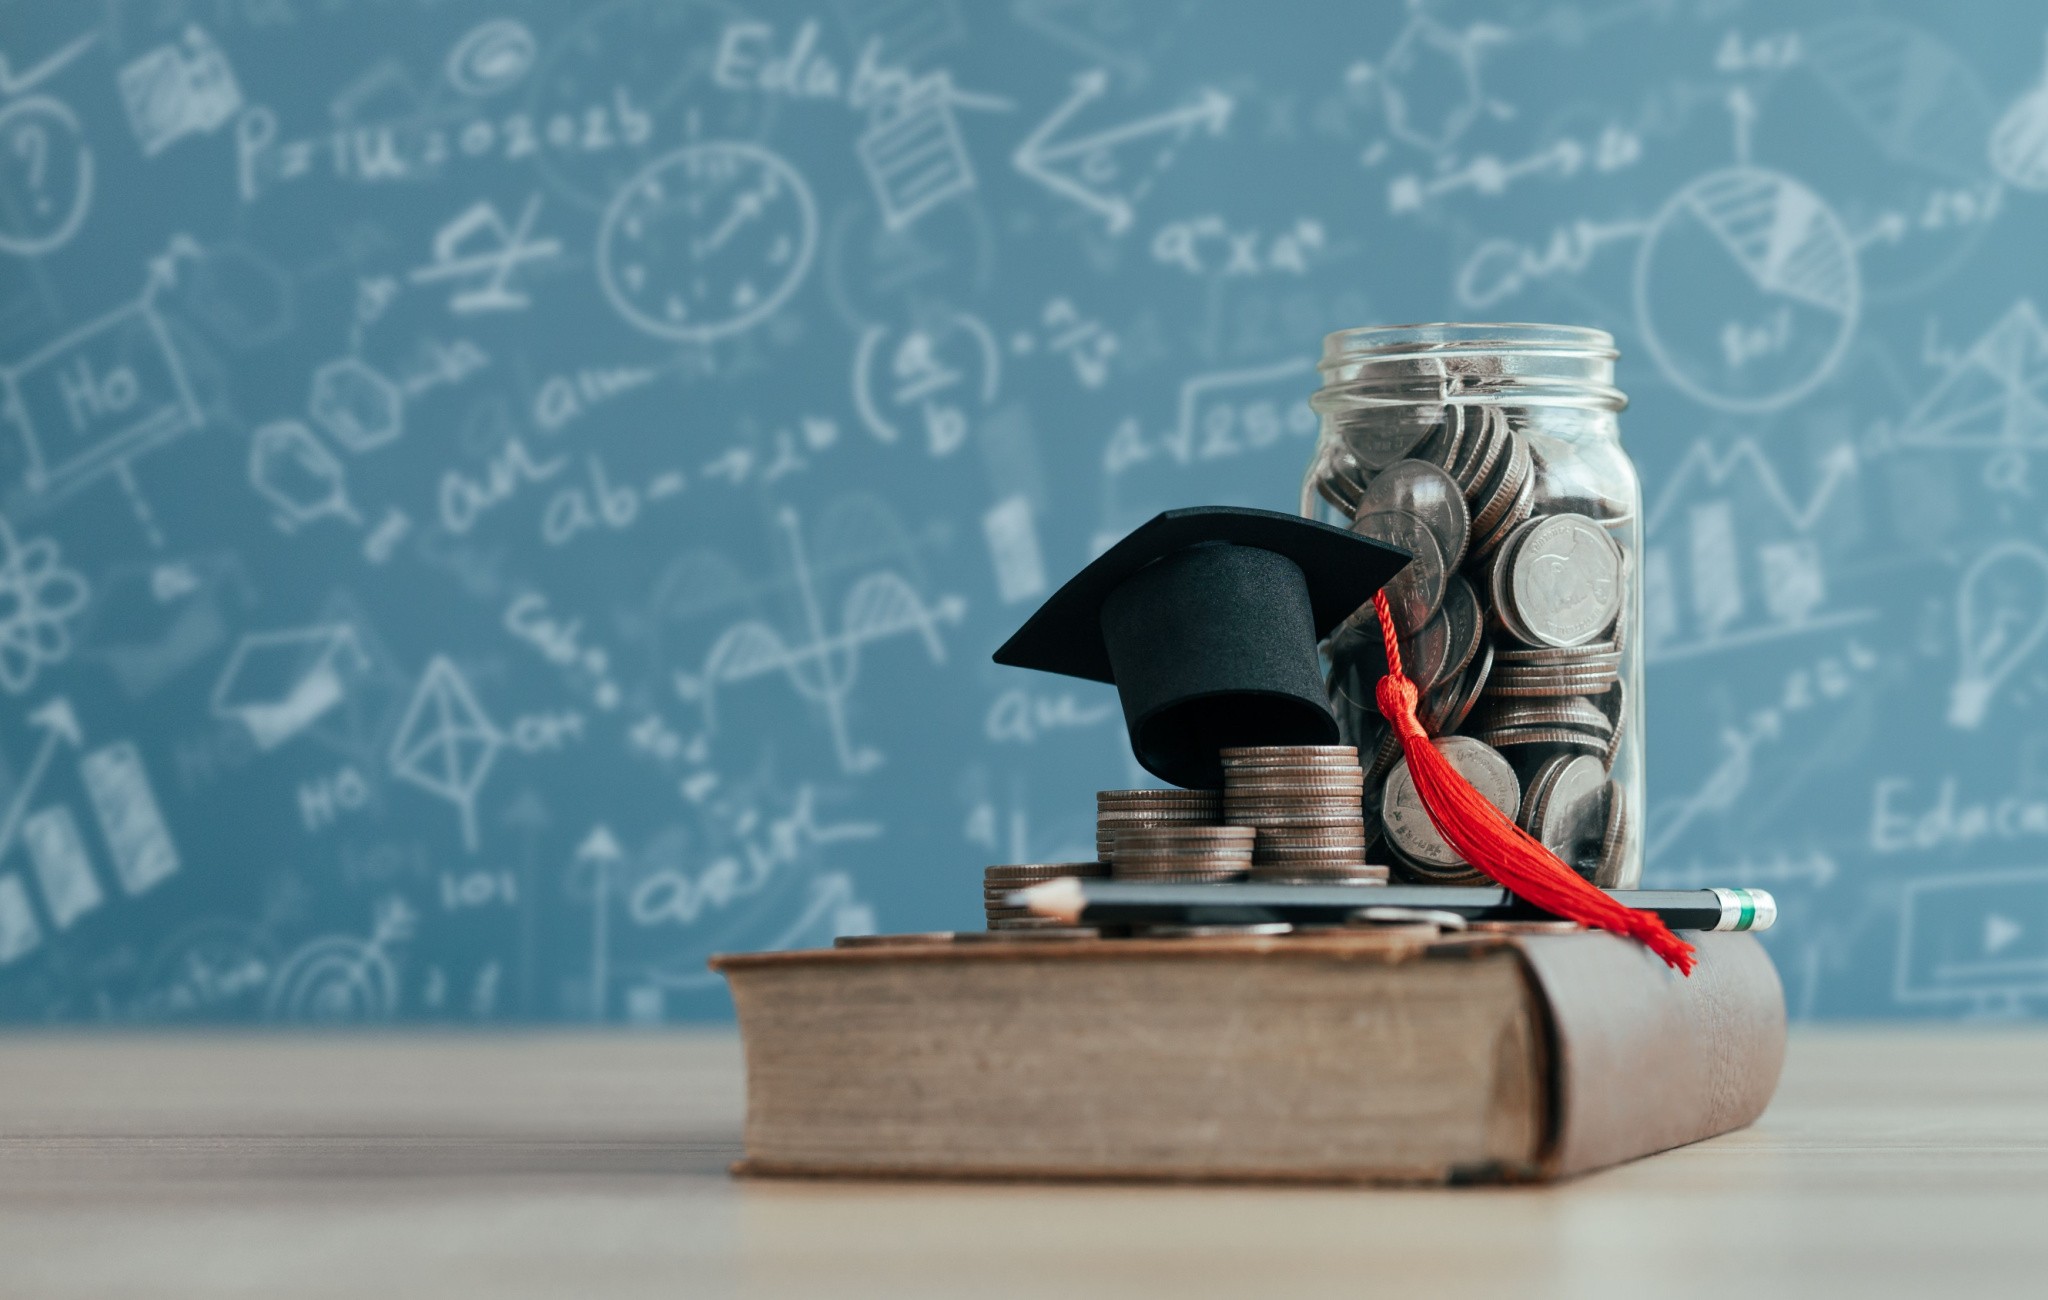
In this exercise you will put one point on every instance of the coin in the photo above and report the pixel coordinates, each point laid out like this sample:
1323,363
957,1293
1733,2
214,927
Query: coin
1574,809
1615,705
1487,444
1566,581
1362,876
918,939
1213,931
1465,627
1414,593
1418,488
1508,486
1592,650
1458,706
1375,436
1569,711
1607,872
1514,737
1499,569
1253,755
1036,930
1425,651
1293,780
1519,510
1408,826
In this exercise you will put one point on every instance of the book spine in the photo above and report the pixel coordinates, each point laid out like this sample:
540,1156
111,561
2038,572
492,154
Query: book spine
1644,1059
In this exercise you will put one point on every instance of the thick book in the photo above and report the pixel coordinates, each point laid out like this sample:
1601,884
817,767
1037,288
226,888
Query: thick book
1339,1056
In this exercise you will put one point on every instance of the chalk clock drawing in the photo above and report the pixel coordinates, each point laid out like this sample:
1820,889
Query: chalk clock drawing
707,241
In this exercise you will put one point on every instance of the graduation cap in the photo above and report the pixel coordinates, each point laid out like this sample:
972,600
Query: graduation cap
1207,620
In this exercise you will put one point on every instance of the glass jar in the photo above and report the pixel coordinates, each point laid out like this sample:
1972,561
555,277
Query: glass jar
1492,453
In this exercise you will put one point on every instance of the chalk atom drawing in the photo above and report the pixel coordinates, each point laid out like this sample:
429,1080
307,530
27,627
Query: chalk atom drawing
39,597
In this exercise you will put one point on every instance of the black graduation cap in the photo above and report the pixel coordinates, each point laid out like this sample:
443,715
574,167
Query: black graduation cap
1207,620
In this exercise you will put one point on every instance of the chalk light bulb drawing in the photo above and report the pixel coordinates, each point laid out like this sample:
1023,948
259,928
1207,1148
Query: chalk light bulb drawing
2001,616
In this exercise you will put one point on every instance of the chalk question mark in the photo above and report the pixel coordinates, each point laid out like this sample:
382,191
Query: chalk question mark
32,143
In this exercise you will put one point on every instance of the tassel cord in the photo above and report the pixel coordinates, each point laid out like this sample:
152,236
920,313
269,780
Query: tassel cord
1492,842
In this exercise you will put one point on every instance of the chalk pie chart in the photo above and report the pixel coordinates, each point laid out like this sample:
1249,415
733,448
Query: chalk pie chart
1747,289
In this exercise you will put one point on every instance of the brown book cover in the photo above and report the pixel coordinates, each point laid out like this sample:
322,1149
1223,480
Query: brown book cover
1338,1057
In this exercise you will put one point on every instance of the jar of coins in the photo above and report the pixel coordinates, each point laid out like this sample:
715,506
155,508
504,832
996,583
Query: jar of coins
1492,454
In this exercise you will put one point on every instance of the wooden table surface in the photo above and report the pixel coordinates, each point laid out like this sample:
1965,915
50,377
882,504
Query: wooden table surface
1898,1162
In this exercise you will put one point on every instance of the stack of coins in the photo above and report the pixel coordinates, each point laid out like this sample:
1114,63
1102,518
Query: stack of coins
1182,853
1510,620
1117,809
1307,804
998,883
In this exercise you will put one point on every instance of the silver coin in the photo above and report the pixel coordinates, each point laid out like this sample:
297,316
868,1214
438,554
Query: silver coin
1570,711
1554,655
1574,811
1425,654
1537,789
1414,593
1498,572
1529,737
1465,626
1213,931
1566,581
1332,776
1377,436
1498,495
1607,871
1028,932
1434,917
1615,705
1450,710
1424,490
1487,443
1407,822
1520,508
1251,755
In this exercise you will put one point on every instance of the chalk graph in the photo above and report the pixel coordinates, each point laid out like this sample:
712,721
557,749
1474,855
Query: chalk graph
824,665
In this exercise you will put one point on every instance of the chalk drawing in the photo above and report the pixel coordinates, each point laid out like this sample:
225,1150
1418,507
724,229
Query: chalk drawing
447,743
491,58
479,246
1097,170
39,598
341,979
179,89
46,176
707,241
823,666
2001,616
276,684
295,472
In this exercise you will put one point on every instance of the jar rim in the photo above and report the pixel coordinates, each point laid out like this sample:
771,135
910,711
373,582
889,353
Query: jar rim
1459,338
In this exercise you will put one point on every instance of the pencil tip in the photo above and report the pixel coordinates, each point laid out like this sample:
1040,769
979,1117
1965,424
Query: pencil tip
1056,898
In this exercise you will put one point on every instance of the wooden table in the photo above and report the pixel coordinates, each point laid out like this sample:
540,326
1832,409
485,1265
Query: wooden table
1902,1162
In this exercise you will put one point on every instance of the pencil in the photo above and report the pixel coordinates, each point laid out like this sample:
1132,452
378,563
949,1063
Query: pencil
1113,902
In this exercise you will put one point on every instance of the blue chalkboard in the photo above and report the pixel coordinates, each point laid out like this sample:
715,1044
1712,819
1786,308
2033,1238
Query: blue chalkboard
503,501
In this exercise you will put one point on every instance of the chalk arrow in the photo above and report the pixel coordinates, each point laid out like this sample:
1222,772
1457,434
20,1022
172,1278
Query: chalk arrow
59,726
2000,932
599,846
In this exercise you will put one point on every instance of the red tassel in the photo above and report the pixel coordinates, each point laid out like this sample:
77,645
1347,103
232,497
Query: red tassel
1515,860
